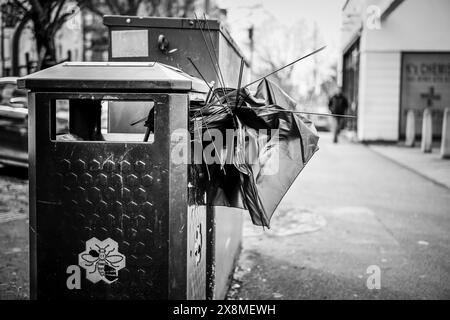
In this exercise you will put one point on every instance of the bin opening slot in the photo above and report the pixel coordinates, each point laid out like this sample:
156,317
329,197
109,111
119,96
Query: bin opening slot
100,120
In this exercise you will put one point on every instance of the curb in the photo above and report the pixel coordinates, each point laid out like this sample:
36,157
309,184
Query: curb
403,165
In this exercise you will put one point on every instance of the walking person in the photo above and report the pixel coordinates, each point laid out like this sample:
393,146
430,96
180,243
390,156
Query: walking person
338,104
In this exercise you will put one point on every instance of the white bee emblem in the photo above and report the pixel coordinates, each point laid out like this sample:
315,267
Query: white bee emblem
101,260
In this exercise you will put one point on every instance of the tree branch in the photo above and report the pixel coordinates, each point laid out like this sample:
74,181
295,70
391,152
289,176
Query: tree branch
36,6
21,5
114,6
91,7
58,11
56,23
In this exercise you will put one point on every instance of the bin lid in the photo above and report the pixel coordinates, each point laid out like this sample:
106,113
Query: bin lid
106,76
133,22
158,22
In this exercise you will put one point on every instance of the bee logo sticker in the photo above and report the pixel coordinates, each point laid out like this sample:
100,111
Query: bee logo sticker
101,260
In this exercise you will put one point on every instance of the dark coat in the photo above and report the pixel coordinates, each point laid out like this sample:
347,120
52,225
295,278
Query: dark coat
338,104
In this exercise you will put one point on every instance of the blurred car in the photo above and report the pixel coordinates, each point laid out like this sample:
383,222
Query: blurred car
322,123
14,122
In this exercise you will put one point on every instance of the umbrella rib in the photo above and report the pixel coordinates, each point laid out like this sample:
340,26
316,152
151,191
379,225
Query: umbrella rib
238,95
306,112
214,49
273,72
201,75
206,124
215,65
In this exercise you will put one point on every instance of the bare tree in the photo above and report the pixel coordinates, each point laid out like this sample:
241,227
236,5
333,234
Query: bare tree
277,44
48,16
166,8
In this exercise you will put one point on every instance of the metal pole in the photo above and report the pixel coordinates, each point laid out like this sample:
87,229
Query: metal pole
252,49
2,45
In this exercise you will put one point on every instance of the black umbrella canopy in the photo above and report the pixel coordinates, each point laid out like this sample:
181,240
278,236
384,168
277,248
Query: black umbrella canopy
272,148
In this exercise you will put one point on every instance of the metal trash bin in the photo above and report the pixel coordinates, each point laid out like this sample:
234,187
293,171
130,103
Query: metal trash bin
171,41
111,216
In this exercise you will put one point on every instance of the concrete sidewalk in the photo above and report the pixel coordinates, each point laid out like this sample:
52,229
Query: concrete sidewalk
429,165
351,209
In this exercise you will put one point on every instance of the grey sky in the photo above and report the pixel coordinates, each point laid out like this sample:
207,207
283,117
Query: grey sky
326,13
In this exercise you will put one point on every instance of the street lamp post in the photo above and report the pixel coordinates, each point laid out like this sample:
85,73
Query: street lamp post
252,48
2,36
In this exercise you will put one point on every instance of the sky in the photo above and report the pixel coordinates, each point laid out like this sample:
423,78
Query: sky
326,14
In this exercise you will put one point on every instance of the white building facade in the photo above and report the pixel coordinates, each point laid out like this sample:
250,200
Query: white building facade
68,43
396,57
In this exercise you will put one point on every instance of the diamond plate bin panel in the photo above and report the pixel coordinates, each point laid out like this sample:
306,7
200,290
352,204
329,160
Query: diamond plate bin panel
119,215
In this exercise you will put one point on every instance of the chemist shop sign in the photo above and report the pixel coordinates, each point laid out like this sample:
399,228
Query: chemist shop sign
425,84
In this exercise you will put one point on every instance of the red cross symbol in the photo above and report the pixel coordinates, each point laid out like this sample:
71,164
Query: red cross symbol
430,96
